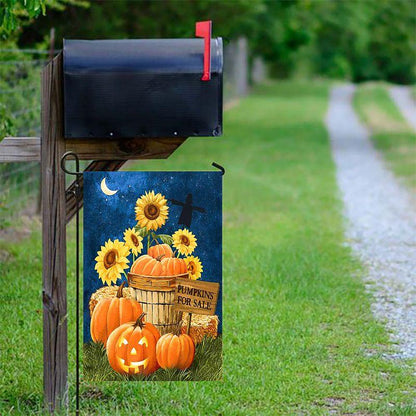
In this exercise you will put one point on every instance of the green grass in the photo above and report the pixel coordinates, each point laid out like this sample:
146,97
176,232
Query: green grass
390,131
207,365
298,334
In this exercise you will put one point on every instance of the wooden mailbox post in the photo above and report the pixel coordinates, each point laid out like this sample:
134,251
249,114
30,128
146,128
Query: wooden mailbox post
105,153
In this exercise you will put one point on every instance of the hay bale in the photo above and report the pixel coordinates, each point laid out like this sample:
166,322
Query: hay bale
201,326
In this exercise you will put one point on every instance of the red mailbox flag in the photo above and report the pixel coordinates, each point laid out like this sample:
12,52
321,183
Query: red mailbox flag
203,30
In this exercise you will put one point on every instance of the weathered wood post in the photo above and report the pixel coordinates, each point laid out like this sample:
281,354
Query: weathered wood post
55,348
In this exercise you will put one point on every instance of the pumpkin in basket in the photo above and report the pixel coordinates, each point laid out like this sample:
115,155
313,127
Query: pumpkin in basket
131,348
147,266
160,250
174,266
173,351
110,313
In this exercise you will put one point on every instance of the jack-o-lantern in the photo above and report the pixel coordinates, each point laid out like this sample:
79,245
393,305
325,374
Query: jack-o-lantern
160,250
173,351
110,313
131,348
174,266
148,266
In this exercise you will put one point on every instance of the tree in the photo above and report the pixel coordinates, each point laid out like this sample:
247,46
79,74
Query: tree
143,19
361,41
16,13
372,39
392,46
277,31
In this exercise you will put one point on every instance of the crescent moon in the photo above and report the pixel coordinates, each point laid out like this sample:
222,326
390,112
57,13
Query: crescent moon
105,188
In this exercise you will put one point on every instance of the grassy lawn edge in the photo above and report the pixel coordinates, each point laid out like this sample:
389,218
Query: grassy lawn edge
389,130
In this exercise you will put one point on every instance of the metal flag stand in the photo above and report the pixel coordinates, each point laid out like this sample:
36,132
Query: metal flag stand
76,192
221,168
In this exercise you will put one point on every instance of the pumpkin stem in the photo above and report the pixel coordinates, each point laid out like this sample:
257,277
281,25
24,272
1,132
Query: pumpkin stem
120,290
139,321
178,328
159,258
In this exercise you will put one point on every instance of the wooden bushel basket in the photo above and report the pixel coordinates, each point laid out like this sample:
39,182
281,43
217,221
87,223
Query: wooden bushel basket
156,296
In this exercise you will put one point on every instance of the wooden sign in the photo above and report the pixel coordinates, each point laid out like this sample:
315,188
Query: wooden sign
194,296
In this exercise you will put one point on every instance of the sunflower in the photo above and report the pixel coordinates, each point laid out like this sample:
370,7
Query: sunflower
133,241
194,267
111,261
151,211
184,241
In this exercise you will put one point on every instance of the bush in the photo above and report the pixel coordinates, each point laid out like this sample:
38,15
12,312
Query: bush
339,67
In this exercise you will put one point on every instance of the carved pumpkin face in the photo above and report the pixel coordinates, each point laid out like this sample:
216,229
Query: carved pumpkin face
131,348
133,361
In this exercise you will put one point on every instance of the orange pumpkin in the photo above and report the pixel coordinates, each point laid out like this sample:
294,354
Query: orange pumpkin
110,313
174,266
131,348
173,351
147,266
160,250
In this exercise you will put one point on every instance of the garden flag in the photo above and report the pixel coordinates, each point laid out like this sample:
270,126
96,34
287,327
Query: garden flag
152,275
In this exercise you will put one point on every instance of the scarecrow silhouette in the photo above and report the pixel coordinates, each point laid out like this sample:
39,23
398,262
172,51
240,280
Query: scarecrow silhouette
186,215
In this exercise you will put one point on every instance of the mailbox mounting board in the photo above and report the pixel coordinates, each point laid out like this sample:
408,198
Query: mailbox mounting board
141,88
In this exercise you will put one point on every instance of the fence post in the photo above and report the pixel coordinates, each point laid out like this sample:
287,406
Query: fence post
242,66
55,349
51,43
258,71
236,68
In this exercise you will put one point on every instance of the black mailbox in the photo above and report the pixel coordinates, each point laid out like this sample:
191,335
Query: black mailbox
141,88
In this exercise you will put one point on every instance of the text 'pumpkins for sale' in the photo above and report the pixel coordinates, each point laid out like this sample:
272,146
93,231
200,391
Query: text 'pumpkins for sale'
175,351
110,313
131,348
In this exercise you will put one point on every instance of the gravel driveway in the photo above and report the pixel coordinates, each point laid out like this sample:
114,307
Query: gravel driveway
381,223
404,101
